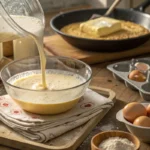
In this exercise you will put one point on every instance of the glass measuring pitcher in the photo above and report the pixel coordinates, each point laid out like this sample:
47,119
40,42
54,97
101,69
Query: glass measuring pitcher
19,20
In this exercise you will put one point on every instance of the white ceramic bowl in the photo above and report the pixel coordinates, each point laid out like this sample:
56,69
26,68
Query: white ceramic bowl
143,133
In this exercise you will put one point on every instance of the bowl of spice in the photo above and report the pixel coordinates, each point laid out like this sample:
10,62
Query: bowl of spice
115,140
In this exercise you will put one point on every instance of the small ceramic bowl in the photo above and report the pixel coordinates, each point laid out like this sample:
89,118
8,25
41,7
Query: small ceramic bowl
143,133
98,138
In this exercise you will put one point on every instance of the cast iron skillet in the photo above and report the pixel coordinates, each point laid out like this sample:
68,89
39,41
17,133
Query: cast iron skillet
135,15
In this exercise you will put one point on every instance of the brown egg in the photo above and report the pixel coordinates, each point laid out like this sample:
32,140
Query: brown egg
148,110
143,121
142,66
136,75
133,110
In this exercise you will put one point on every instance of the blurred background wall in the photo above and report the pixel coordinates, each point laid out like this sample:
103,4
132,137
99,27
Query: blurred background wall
52,5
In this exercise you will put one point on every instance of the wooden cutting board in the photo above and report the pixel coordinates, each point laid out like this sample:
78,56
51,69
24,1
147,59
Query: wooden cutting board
55,45
68,141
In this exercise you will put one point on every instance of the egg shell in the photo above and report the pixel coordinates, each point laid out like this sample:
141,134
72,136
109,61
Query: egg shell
133,110
148,110
136,75
142,66
143,121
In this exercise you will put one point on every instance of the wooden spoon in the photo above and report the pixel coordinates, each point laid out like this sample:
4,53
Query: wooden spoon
108,12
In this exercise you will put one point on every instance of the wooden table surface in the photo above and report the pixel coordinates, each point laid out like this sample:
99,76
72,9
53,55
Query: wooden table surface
103,78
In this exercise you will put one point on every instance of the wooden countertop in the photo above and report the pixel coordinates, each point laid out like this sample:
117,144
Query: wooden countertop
103,78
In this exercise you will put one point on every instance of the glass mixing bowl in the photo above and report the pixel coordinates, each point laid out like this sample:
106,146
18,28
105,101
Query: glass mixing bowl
54,101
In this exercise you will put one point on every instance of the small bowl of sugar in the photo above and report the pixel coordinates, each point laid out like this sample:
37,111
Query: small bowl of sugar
115,140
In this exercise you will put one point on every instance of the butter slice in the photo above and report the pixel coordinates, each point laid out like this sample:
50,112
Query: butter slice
101,26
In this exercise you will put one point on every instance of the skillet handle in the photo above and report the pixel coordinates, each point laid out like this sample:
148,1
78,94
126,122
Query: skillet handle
143,6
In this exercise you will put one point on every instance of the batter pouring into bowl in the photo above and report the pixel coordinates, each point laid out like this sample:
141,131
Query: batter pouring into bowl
42,85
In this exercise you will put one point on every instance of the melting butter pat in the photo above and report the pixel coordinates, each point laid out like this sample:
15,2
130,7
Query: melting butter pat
101,26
